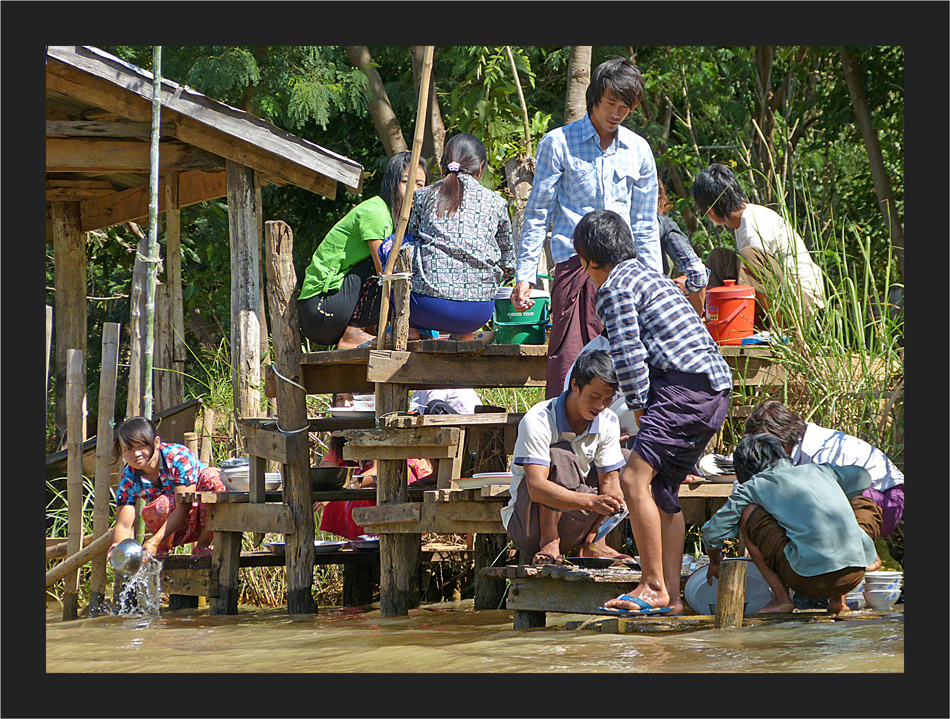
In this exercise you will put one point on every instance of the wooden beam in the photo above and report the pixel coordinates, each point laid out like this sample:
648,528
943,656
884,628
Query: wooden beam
95,155
76,190
251,517
82,128
131,205
435,518
429,442
98,91
469,370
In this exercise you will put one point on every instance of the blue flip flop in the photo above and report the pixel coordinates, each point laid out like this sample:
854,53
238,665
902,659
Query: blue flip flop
646,609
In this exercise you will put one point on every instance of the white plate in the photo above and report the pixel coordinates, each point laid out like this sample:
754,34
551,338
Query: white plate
712,472
352,412
326,546
365,541
702,597
483,480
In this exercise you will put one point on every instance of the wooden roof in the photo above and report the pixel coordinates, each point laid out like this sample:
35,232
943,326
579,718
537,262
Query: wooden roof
98,130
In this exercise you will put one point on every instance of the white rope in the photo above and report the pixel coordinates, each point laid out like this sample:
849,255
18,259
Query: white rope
286,379
395,276
280,429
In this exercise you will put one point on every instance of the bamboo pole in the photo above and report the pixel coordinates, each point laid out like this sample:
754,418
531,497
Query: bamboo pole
137,298
207,430
407,198
75,561
104,447
58,551
152,226
75,394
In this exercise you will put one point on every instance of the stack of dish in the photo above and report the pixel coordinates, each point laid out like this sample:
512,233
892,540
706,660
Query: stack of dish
235,473
483,480
855,598
882,588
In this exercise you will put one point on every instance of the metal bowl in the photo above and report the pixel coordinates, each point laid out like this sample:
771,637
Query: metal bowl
126,557
329,479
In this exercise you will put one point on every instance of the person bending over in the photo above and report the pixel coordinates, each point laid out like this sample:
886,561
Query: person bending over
676,383
800,524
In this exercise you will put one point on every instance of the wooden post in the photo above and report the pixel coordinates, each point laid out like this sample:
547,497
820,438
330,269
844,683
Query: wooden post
490,592
75,395
191,442
245,290
178,353
162,353
69,254
292,414
730,598
207,432
104,448
400,554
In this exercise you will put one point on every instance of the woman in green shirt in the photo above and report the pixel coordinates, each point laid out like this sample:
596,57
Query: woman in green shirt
340,297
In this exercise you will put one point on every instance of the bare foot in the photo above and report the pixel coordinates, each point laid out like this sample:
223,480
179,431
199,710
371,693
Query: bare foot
645,593
601,549
838,605
777,606
353,337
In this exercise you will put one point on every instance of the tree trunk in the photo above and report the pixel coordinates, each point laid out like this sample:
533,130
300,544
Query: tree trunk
434,139
380,109
763,149
882,183
578,78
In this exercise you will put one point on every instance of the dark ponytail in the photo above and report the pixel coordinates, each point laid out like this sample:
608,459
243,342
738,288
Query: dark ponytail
462,153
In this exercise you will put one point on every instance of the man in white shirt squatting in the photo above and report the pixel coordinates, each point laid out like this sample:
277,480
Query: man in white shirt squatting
565,471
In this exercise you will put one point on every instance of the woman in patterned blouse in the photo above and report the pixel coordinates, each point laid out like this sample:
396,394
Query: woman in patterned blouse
160,472
463,248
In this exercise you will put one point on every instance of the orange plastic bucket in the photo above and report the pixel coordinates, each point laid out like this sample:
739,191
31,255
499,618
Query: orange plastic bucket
729,312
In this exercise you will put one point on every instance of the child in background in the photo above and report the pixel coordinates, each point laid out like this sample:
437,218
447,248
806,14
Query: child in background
463,248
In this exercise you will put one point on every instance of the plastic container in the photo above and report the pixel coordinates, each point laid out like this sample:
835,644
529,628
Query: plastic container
536,314
517,333
730,311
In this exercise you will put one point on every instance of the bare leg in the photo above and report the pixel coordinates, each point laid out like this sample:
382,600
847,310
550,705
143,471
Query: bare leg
635,480
353,337
673,527
781,600
550,539
836,605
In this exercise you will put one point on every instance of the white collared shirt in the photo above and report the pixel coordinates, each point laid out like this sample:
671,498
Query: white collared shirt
830,446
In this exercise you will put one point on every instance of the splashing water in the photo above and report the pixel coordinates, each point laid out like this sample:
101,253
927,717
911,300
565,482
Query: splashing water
142,593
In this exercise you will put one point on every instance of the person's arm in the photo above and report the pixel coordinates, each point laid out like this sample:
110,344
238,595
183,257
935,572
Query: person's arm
723,525
537,218
543,491
618,311
677,244
644,225
124,519
852,479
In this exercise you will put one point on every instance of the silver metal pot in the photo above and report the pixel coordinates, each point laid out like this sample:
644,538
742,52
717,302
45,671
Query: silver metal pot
127,556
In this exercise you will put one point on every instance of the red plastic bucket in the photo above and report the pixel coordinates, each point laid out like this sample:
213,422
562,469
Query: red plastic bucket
730,310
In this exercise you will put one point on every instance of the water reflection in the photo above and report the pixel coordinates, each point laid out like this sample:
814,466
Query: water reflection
447,638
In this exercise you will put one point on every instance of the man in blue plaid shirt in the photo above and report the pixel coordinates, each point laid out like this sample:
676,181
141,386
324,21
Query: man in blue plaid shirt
676,382
593,163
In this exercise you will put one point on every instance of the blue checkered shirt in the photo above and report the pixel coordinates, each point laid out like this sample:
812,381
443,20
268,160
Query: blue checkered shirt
650,322
573,177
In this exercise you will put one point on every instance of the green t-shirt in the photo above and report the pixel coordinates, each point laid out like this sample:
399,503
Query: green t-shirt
345,246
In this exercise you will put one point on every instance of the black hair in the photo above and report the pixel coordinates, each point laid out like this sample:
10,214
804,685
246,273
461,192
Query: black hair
134,431
602,237
775,418
718,189
392,176
756,453
621,77
471,156
594,363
